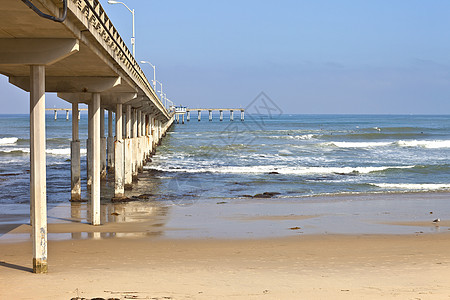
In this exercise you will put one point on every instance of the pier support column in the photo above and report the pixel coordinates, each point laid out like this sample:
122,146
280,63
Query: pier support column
89,151
231,116
182,122
199,115
140,143
128,151
177,116
75,166
119,171
221,115
242,115
110,142
102,145
135,144
210,115
160,131
94,129
38,184
188,117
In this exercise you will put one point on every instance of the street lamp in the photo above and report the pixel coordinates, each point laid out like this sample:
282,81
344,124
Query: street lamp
133,38
161,91
154,72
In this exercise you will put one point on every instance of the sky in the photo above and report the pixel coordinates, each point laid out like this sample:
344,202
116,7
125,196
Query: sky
312,57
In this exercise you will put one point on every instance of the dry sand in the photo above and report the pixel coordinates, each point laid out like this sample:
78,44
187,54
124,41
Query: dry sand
146,261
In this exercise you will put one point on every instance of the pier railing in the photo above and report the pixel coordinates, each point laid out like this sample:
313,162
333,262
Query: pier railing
93,16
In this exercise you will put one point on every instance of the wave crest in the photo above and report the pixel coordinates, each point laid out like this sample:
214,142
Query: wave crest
8,141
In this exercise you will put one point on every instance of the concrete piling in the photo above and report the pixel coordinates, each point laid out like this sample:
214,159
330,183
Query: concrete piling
110,143
119,171
128,153
94,126
75,157
38,186
103,164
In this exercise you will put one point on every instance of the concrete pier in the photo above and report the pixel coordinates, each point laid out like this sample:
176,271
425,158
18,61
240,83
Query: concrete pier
38,186
110,143
135,145
75,165
119,171
103,163
94,128
89,156
210,112
128,151
36,54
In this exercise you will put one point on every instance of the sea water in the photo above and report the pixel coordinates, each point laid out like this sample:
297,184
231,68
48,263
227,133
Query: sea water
305,155
287,156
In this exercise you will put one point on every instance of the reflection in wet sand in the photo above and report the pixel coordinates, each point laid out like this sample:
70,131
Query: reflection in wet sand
124,220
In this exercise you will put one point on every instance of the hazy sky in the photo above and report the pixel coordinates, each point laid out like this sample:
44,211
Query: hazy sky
316,56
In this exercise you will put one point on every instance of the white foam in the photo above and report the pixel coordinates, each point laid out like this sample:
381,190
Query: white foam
9,150
62,151
296,137
8,141
281,170
284,152
413,186
359,144
425,144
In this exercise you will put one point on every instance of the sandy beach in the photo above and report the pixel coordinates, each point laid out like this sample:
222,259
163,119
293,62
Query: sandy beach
244,250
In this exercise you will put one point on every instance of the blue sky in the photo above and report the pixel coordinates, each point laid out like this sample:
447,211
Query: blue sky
308,56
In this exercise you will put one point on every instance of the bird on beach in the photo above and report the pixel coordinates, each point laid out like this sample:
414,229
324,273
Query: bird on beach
436,220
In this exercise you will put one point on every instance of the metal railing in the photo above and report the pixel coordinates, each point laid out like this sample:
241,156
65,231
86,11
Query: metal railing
99,20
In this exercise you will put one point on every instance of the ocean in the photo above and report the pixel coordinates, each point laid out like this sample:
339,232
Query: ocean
284,156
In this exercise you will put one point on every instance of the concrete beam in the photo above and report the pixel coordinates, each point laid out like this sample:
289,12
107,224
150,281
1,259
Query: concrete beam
70,84
36,51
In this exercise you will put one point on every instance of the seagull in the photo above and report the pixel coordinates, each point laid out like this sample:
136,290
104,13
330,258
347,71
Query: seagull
436,220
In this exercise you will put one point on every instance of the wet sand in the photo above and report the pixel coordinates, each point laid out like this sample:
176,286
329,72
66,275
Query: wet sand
347,247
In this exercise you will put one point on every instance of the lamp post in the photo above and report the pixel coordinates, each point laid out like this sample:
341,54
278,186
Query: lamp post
133,38
165,100
161,91
154,72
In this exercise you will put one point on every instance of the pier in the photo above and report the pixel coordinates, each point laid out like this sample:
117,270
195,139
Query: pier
55,110
210,113
71,47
